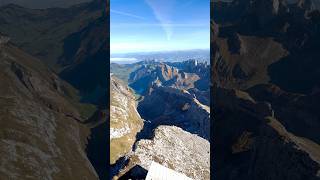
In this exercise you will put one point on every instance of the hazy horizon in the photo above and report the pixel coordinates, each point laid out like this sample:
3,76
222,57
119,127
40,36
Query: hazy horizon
154,52
199,54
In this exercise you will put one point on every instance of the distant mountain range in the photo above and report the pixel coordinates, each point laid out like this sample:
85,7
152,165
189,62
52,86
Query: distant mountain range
168,56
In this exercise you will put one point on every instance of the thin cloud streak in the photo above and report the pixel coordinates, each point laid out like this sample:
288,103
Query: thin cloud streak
163,10
127,14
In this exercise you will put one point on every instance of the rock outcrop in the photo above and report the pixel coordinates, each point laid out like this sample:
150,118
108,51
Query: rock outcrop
169,148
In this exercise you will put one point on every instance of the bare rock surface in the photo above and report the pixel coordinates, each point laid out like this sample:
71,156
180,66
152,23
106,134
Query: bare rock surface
168,147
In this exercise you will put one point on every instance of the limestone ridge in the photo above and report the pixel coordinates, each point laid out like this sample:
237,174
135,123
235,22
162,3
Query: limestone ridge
41,131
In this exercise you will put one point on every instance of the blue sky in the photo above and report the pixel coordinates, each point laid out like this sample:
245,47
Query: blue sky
159,25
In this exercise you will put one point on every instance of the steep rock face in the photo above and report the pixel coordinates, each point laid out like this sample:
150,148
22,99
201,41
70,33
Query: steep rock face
166,105
168,148
41,134
200,68
125,121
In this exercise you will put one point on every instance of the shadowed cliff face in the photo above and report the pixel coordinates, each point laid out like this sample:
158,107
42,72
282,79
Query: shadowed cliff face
265,77
85,60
